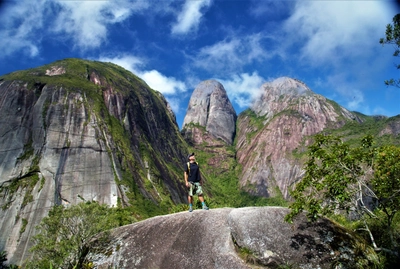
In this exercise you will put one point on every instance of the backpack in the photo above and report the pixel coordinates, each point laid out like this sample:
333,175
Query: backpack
188,165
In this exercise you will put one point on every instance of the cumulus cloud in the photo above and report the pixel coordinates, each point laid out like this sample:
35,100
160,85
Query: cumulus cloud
22,35
190,16
233,54
244,88
165,85
170,87
335,30
128,62
340,37
86,21
157,81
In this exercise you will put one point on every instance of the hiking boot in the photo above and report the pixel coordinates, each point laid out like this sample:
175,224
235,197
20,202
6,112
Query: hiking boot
190,209
205,207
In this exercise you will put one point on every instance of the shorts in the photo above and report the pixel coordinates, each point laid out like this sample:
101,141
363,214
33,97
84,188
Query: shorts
195,189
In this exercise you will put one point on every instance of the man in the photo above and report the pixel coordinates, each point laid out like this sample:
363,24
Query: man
193,181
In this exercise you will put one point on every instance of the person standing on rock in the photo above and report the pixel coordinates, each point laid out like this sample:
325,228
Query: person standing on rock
193,181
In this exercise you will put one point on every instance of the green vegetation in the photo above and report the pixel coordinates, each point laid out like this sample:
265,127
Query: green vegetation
353,131
65,237
363,180
221,183
3,260
393,37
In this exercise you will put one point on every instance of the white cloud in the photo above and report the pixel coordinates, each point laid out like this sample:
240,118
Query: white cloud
170,87
242,89
22,35
190,16
86,21
230,55
332,31
341,38
157,81
128,62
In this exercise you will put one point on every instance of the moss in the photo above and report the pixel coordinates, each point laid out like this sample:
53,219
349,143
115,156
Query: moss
27,152
23,227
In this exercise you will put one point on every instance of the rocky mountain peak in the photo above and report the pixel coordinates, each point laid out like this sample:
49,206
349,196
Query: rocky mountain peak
278,95
289,113
210,107
286,85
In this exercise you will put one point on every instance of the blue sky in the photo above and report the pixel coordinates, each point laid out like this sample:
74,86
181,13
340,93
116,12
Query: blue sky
332,46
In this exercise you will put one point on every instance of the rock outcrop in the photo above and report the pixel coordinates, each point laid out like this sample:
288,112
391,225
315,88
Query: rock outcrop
277,125
255,237
80,130
209,107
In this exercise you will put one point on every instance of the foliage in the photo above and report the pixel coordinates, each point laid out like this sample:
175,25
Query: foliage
364,125
65,235
3,259
393,37
221,183
363,181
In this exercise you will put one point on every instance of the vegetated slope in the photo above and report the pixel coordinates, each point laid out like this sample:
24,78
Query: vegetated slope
78,130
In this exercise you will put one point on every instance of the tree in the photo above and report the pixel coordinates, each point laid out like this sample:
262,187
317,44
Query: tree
362,181
393,37
65,235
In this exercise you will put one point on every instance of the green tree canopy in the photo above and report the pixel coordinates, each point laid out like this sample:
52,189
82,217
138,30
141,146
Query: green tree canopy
65,235
393,37
362,181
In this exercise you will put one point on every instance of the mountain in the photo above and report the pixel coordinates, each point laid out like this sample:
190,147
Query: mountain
280,122
78,130
210,107
272,136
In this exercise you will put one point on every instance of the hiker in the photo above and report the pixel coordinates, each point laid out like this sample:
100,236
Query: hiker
193,181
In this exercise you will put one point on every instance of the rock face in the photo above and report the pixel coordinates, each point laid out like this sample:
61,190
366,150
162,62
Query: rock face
277,126
79,130
231,238
392,127
209,107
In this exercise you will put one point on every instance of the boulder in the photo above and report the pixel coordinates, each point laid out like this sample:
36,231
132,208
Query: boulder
252,237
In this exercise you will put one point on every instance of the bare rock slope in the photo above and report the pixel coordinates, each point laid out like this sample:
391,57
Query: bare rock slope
279,124
210,107
79,130
254,237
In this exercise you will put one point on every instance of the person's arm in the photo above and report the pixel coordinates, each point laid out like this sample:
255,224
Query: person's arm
200,178
185,175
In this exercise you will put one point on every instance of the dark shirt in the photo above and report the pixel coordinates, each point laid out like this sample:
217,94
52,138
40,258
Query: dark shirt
194,174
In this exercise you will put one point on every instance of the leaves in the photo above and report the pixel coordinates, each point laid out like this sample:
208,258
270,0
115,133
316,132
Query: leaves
65,235
363,179
392,36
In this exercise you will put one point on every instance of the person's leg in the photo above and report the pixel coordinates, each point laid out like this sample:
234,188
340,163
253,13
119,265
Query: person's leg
190,200
201,198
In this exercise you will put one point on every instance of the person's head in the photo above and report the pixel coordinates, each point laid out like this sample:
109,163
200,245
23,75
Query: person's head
191,157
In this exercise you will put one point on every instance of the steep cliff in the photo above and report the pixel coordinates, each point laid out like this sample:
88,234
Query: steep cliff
80,130
210,107
278,125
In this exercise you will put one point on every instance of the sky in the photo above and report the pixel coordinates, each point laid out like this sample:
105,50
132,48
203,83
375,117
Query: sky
173,45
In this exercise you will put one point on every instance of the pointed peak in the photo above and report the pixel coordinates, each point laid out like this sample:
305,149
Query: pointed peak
289,85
